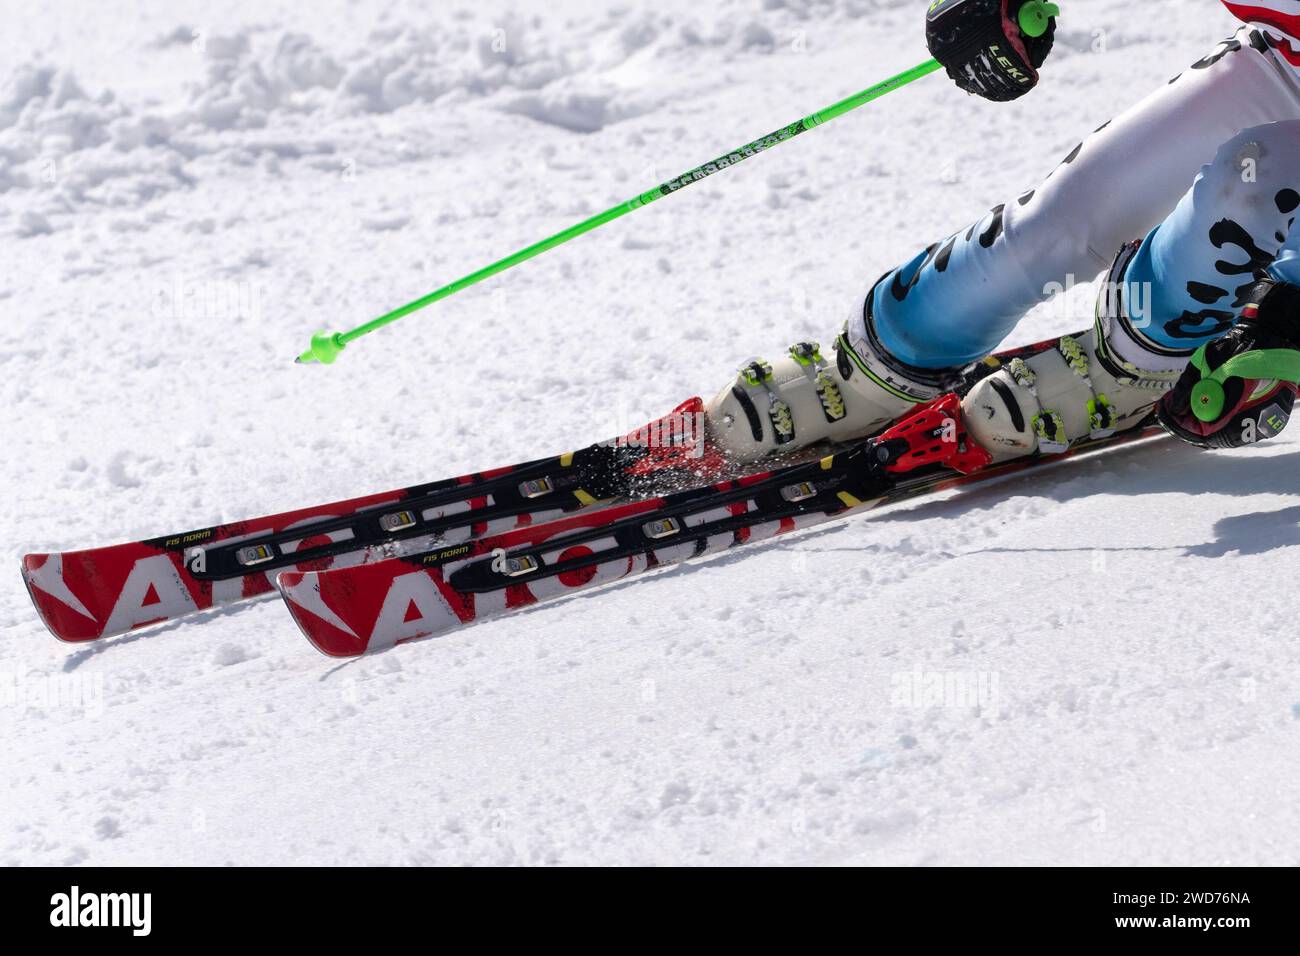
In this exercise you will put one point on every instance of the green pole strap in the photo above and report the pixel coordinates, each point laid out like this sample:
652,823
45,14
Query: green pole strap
326,346
1262,365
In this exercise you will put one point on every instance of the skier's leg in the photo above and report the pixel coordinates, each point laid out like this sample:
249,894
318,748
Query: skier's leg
954,302
1180,288
1230,251
1192,273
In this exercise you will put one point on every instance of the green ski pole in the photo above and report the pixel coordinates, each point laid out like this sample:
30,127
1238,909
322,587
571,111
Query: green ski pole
326,346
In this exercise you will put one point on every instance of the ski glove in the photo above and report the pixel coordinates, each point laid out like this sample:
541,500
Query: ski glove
992,47
1239,389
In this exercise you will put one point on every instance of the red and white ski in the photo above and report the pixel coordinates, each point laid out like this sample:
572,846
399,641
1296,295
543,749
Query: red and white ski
348,612
85,595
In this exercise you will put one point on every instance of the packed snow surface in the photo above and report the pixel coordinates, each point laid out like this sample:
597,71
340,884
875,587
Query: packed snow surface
1093,665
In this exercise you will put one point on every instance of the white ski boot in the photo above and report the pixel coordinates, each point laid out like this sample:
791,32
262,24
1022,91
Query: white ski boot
779,407
1094,385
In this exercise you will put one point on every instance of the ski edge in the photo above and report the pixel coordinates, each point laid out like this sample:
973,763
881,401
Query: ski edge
325,629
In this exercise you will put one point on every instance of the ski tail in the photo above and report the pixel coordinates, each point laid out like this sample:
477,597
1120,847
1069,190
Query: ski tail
409,606
101,592
67,618
326,631
391,602
85,595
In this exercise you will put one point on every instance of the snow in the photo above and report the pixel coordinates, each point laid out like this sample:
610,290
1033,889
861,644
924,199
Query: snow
1097,665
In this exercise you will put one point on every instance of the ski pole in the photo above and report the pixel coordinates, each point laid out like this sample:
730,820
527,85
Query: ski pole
326,346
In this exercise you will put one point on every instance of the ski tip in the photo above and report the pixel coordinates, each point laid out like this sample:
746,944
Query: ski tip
324,630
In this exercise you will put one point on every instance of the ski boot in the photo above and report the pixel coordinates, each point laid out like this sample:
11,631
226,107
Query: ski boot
1104,381
776,408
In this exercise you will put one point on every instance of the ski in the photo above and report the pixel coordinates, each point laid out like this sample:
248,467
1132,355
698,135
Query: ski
348,612
95,593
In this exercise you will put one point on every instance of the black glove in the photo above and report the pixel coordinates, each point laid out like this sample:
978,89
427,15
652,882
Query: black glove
992,47
1239,389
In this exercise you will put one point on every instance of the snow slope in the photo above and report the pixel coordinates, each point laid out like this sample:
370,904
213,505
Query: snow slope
1098,665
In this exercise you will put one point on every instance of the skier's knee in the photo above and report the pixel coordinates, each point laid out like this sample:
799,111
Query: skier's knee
1262,156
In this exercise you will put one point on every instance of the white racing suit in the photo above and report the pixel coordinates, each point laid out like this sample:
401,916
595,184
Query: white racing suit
1229,126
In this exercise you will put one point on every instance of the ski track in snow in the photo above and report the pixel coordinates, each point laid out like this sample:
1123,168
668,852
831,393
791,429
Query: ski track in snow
185,197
